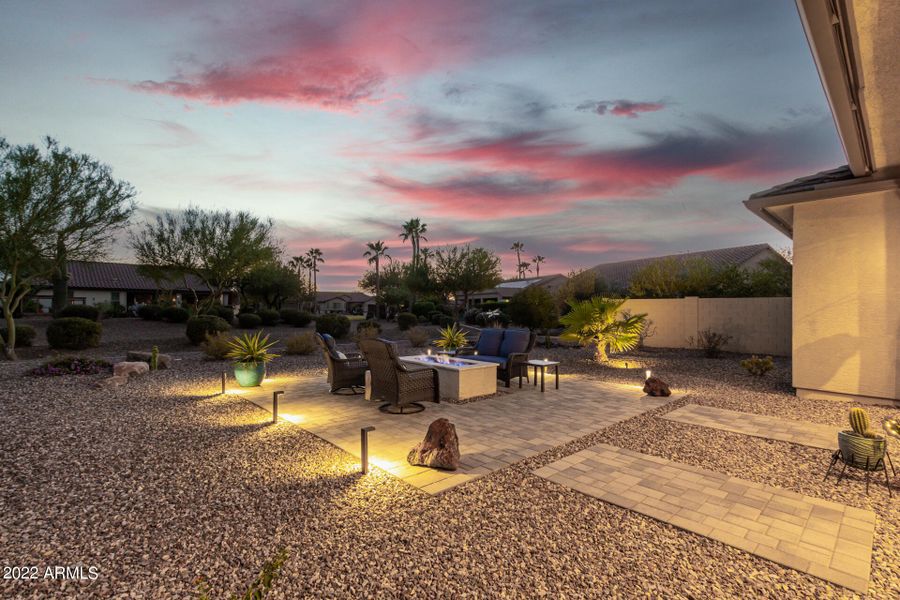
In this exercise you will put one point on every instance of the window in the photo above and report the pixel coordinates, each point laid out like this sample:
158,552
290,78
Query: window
114,297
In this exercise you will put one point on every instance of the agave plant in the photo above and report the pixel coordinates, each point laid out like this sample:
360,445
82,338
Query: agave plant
595,321
251,349
452,338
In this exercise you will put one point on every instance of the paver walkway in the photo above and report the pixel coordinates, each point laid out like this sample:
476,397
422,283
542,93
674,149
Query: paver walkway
493,432
822,538
774,428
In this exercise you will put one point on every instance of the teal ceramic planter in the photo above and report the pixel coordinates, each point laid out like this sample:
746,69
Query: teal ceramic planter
249,374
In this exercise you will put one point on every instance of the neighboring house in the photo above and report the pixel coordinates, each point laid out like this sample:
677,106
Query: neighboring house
507,289
617,275
845,223
95,283
345,303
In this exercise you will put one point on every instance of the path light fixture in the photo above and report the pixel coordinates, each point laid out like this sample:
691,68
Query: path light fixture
364,448
223,381
275,405
429,352
647,374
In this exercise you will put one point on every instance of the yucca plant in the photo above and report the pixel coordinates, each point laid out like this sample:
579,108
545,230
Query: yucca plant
451,338
251,349
595,321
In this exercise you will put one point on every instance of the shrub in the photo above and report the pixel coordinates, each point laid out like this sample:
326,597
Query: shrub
303,319
73,333
423,320
199,326
471,316
226,313
710,342
435,317
446,321
149,312
289,315
215,346
72,366
269,316
174,314
25,335
534,308
406,320
111,309
303,343
336,325
494,318
369,324
418,336
493,305
249,321
81,311
758,366
367,330
423,308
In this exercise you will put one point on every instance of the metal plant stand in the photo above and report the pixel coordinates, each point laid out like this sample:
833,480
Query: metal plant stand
880,465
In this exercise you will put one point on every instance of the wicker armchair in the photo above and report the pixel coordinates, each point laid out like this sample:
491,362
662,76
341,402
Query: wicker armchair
345,371
402,388
507,348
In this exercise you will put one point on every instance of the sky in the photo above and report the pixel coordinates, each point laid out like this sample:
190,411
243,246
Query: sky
592,131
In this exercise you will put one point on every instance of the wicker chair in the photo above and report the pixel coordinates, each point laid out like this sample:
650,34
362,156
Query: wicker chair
402,388
345,371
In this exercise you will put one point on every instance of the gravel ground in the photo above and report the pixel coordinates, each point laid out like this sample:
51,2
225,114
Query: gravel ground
162,482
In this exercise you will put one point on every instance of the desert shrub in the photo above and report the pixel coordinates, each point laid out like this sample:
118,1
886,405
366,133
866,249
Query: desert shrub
269,316
302,319
81,311
493,305
199,326
406,320
758,366
494,318
369,324
174,314
434,317
423,308
446,321
711,342
216,345
423,320
25,335
288,315
303,343
418,336
336,325
471,316
73,333
149,312
226,313
70,365
249,320
111,310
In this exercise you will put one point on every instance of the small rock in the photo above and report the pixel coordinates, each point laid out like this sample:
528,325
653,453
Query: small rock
439,449
163,361
656,387
114,382
127,369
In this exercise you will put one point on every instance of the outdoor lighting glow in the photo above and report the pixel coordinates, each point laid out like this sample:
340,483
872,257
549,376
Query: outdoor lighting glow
275,405
476,353
647,374
429,352
292,418
364,448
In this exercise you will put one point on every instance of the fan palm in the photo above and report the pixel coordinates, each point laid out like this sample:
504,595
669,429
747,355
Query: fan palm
518,247
537,260
374,253
595,321
414,231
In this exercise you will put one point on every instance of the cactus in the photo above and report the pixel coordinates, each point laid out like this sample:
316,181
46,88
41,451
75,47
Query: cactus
154,358
859,422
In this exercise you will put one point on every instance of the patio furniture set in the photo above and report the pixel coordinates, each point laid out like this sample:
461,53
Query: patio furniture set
404,382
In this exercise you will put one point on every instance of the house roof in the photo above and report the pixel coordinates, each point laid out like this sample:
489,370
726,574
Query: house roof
122,276
511,287
345,296
618,274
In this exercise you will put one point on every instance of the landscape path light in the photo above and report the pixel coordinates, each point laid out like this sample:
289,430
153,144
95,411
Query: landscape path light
275,405
364,448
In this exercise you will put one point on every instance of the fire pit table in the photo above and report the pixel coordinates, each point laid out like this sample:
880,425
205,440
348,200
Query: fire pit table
459,378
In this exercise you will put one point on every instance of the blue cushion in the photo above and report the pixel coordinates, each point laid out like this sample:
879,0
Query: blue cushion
514,340
492,359
489,342
329,341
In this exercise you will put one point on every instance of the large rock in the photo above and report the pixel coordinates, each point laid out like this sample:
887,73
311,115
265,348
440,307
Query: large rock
656,387
163,361
128,369
439,449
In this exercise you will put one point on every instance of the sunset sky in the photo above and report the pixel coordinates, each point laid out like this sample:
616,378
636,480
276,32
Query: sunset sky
592,131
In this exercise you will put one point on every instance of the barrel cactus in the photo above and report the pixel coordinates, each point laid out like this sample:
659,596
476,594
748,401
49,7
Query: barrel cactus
859,422
154,358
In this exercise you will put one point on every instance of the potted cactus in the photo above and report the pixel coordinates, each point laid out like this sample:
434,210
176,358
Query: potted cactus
861,446
250,355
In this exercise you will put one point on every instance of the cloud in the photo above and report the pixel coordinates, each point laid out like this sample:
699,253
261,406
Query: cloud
620,108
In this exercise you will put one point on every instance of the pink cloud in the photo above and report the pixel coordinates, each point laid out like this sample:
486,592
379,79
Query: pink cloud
621,108
600,247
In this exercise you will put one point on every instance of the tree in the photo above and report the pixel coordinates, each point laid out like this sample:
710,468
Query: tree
594,322
314,257
534,308
463,270
393,284
524,269
772,277
375,252
518,248
414,231
537,260
580,285
301,267
217,247
270,283
659,279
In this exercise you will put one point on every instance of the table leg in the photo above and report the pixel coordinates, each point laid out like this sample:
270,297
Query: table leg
543,371
557,376
520,375
535,375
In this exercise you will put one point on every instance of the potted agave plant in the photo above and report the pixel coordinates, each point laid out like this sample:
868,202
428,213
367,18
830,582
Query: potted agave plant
250,355
451,339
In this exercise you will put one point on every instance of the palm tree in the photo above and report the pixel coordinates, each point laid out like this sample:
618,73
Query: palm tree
314,256
425,255
414,231
524,267
518,247
594,321
537,260
375,252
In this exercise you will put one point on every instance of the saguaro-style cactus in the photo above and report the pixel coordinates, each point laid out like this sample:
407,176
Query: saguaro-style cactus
154,358
859,422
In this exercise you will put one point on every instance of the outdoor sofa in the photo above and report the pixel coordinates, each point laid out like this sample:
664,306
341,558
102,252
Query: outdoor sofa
507,348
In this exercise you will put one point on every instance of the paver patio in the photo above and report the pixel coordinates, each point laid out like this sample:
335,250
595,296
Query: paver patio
493,432
774,428
825,539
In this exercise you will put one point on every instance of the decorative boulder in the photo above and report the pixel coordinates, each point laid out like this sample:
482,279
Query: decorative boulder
439,449
127,369
163,361
656,387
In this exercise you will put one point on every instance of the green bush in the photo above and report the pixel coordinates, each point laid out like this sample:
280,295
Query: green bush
149,312
174,314
471,316
249,321
435,317
73,333
407,320
423,308
446,321
336,325
216,346
301,319
269,316
226,313
289,315
493,305
494,318
418,336
25,335
369,324
199,326
534,308
758,366
81,311
111,310
303,343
